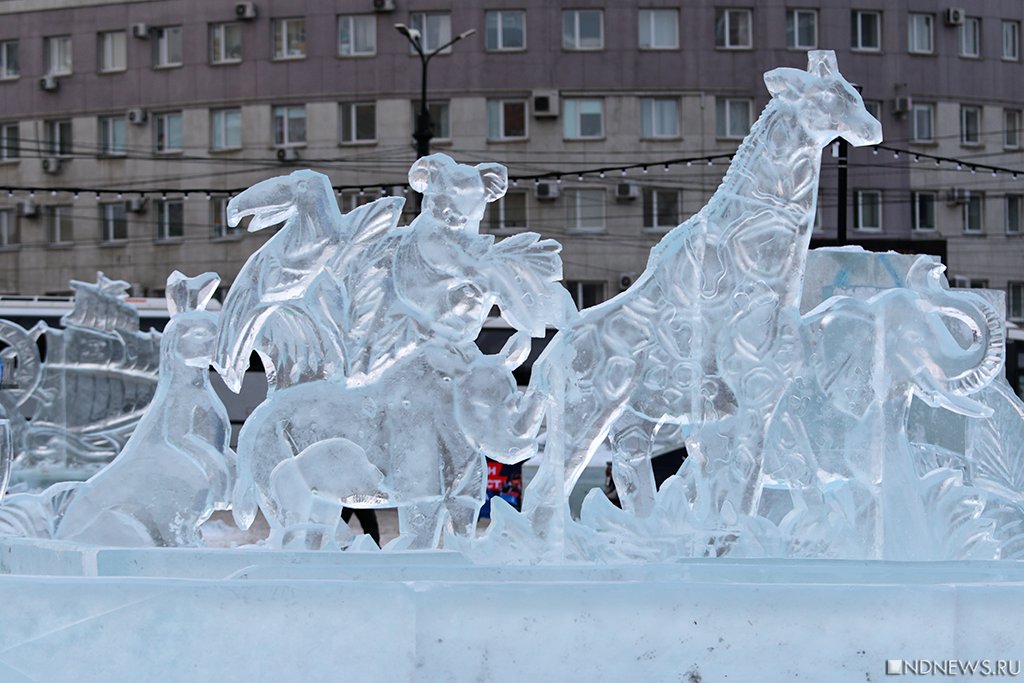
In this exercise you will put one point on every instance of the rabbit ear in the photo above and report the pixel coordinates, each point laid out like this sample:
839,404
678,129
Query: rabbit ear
190,293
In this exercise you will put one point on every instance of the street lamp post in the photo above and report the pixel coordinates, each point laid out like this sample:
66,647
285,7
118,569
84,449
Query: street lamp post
424,127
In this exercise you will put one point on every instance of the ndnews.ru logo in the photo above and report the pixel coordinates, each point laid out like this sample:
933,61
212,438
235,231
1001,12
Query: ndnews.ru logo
952,667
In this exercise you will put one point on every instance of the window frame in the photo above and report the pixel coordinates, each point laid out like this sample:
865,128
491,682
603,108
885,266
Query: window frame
163,220
1012,129
10,152
971,25
577,102
105,50
58,144
573,210
912,48
723,20
499,35
966,214
651,22
107,129
1014,40
421,22
219,219
917,224
498,106
857,36
162,132
353,119
59,219
649,117
222,126
1015,300
287,109
859,213
575,45
793,28
921,107
727,102
162,47
577,292
282,51
495,220
444,117
10,236
965,110
351,20
50,43
109,220
217,36
1013,212
653,192
6,73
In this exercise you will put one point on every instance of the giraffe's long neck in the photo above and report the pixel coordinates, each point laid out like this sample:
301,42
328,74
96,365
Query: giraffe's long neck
776,167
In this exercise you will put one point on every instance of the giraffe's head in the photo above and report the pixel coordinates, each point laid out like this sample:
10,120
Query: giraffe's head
830,106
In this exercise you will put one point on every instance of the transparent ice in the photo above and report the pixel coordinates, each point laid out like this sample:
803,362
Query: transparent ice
379,396
176,468
71,414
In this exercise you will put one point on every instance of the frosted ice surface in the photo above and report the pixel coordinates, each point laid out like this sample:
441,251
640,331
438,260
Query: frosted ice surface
176,468
379,396
74,412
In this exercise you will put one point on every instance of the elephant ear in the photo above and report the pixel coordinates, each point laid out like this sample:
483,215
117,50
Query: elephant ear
844,335
495,177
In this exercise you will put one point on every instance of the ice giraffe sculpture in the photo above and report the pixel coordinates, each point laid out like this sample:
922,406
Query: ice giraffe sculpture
699,338
176,468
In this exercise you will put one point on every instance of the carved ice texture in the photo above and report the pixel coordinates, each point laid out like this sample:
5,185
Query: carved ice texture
71,414
378,395
176,468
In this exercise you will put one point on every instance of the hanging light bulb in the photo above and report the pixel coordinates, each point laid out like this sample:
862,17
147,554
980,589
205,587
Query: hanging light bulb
644,169
601,174
689,164
558,179
75,196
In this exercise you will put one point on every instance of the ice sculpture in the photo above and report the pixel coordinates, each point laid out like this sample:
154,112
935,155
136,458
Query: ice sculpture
698,339
174,470
74,412
379,395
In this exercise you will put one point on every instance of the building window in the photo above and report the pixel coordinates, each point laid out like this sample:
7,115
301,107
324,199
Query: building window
659,29
358,122
435,30
112,135
289,38
10,142
970,125
508,213
1011,128
919,34
58,224
801,29
967,282
225,43
1014,213
506,119
924,210
170,224
1011,41
114,222
732,118
583,29
9,59
8,228
357,35
585,294
585,210
973,212
57,137
733,29
353,199
866,31
505,30
226,129
584,119
167,129
167,47
867,210
290,125
661,208
58,55
112,51
659,117
874,107
923,123
970,37
1015,300
219,219
440,118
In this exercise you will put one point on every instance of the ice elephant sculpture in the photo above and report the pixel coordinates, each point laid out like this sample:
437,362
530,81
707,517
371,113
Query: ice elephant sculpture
367,329
176,468
71,414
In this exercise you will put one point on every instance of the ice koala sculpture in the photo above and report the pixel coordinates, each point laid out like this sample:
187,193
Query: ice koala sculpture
379,395
176,468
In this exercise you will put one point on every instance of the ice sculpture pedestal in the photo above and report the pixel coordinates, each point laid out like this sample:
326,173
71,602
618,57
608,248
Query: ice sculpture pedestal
246,615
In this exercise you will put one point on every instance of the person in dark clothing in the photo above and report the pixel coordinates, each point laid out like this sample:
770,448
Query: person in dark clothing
367,520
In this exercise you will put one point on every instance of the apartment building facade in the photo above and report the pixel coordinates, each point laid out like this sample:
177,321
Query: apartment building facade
125,125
